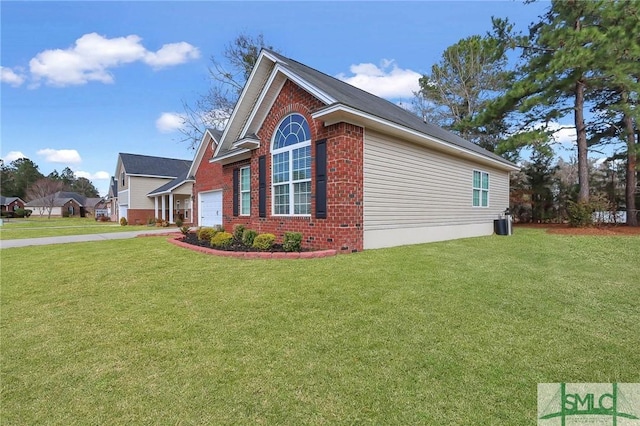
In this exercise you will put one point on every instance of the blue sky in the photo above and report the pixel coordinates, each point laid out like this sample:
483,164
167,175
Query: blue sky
83,81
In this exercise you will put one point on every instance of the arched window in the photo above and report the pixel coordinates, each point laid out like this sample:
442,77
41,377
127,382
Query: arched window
291,167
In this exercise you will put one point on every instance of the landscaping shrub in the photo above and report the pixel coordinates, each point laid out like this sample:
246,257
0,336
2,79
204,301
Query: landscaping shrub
264,241
206,233
579,214
151,221
248,236
22,213
123,221
292,241
238,230
221,240
185,230
105,219
179,223
65,213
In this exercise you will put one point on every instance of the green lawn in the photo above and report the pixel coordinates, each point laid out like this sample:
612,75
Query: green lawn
36,227
142,332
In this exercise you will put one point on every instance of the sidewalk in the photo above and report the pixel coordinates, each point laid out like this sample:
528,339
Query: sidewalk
82,238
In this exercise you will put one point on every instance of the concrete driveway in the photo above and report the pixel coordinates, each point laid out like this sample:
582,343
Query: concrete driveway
82,238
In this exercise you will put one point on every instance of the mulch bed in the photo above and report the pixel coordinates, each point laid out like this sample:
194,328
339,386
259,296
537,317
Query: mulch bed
192,239
565,229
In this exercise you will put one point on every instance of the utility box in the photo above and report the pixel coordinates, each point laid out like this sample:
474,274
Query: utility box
503,226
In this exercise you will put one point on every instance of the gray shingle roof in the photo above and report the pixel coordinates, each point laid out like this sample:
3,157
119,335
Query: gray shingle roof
5,201
217,134
113,187
351,96
62,197
136,164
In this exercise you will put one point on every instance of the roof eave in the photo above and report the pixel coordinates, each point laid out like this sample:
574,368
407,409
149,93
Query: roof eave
170,190
232,157
340,113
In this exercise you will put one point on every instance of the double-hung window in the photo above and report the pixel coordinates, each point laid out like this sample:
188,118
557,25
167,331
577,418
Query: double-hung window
291,167
245,191
480,189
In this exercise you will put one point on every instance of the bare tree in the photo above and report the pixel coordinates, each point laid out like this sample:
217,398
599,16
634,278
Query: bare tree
228,78
44,190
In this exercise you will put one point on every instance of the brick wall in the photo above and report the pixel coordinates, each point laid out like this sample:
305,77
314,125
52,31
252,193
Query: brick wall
139,216
342,230
208,178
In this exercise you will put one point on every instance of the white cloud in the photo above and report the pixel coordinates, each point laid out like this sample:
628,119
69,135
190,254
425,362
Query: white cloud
13,156
9,76
64,156
170,122
564,134
101,175
92,56
387,80
172,54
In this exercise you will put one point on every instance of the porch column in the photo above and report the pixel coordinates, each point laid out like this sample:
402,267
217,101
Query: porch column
155,204
164,208
171,207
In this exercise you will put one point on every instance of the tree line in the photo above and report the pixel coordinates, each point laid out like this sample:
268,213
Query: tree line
508,92
580,62
22,178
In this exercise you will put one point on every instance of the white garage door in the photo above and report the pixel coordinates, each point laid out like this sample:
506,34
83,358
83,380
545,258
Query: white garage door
210,208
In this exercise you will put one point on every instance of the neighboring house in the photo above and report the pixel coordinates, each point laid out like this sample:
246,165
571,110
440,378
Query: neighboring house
112,200
11,204
75,204
306,152
153,187
208,185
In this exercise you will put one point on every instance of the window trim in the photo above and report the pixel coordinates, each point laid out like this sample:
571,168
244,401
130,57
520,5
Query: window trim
290,182
245,191
481,190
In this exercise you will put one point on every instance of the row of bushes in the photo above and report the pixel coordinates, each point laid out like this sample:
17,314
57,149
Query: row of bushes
218,238
163,223
17,213
581,215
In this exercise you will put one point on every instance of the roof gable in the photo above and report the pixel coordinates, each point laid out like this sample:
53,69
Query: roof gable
145,165
5,201
210,135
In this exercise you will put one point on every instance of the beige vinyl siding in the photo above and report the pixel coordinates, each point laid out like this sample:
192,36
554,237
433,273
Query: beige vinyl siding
44,211
139,187
185,189
409,186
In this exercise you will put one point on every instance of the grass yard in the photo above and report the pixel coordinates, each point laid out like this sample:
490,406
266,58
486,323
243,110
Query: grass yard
461,332
37,227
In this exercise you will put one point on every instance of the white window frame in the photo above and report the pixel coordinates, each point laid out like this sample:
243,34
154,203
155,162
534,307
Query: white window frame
480,189
290,181
246,190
